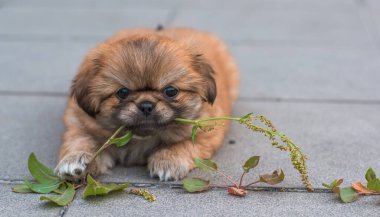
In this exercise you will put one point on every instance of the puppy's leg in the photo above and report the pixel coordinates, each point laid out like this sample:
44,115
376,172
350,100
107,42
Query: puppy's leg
78,148
75,155
176,161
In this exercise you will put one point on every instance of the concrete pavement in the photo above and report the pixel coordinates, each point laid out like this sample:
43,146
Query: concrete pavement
312,67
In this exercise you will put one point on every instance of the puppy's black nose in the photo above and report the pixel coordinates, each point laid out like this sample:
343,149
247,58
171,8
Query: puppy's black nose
146,107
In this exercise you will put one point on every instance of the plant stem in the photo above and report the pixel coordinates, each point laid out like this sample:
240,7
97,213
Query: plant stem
186,121
206,119
107,143
219,119
196,122
78,186
297,158
220,186
252,183
371,194
228,178
241,179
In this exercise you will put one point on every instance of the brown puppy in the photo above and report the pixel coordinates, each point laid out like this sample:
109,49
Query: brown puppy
144,79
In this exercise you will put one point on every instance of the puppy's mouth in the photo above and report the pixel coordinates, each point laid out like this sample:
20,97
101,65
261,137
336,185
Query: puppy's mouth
144,129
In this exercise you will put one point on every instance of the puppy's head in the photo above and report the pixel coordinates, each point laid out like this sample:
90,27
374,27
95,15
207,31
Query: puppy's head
143,82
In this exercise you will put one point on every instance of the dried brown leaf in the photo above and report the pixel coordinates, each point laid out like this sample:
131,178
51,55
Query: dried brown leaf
237,191
361,189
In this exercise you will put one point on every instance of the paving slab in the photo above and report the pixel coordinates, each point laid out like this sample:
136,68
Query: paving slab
292,22
373,9
40,66
308,72
91,4
267,71
191,4
12,204
176,202
2,3
73,21
29,124
331,22
340,140
309,66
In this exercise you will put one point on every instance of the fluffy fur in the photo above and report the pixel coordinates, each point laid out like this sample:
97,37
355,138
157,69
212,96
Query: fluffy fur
146,61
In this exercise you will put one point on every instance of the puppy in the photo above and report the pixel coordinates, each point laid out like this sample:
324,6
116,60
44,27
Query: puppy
144,79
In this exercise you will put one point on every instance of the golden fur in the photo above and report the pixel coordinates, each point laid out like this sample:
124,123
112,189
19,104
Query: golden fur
146,61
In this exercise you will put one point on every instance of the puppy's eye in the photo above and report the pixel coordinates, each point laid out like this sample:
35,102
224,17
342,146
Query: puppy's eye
122,93
171,92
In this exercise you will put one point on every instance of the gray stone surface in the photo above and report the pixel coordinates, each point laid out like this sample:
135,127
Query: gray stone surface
309,66
373,8
40,66
12,204
29,124
295,22
308,72
175,202
89,4
183,4
72,21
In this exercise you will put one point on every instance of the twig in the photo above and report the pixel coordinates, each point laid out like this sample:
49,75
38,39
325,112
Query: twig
107,143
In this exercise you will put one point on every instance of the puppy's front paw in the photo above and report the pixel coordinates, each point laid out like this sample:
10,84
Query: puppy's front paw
169,166
73,166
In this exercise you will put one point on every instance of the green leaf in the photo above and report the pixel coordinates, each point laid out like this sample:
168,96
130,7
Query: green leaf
62,188
94,188
251,163
121,141
63,199
348,195
196,185
40,172
326,185
206,164
333,184
43,188
370,174
193,133
374,184
276,177
21,189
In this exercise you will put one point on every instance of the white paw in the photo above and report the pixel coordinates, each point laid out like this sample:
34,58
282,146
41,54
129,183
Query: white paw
168,168
73,167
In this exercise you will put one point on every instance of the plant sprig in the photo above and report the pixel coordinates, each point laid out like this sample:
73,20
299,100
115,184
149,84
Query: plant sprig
63,191
236,188
297,158
119,142
352,193
143,193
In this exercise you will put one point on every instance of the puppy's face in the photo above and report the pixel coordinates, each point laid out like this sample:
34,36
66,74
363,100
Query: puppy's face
143,83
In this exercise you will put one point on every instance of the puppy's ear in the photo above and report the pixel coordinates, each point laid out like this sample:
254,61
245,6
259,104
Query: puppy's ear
80,88
208,88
